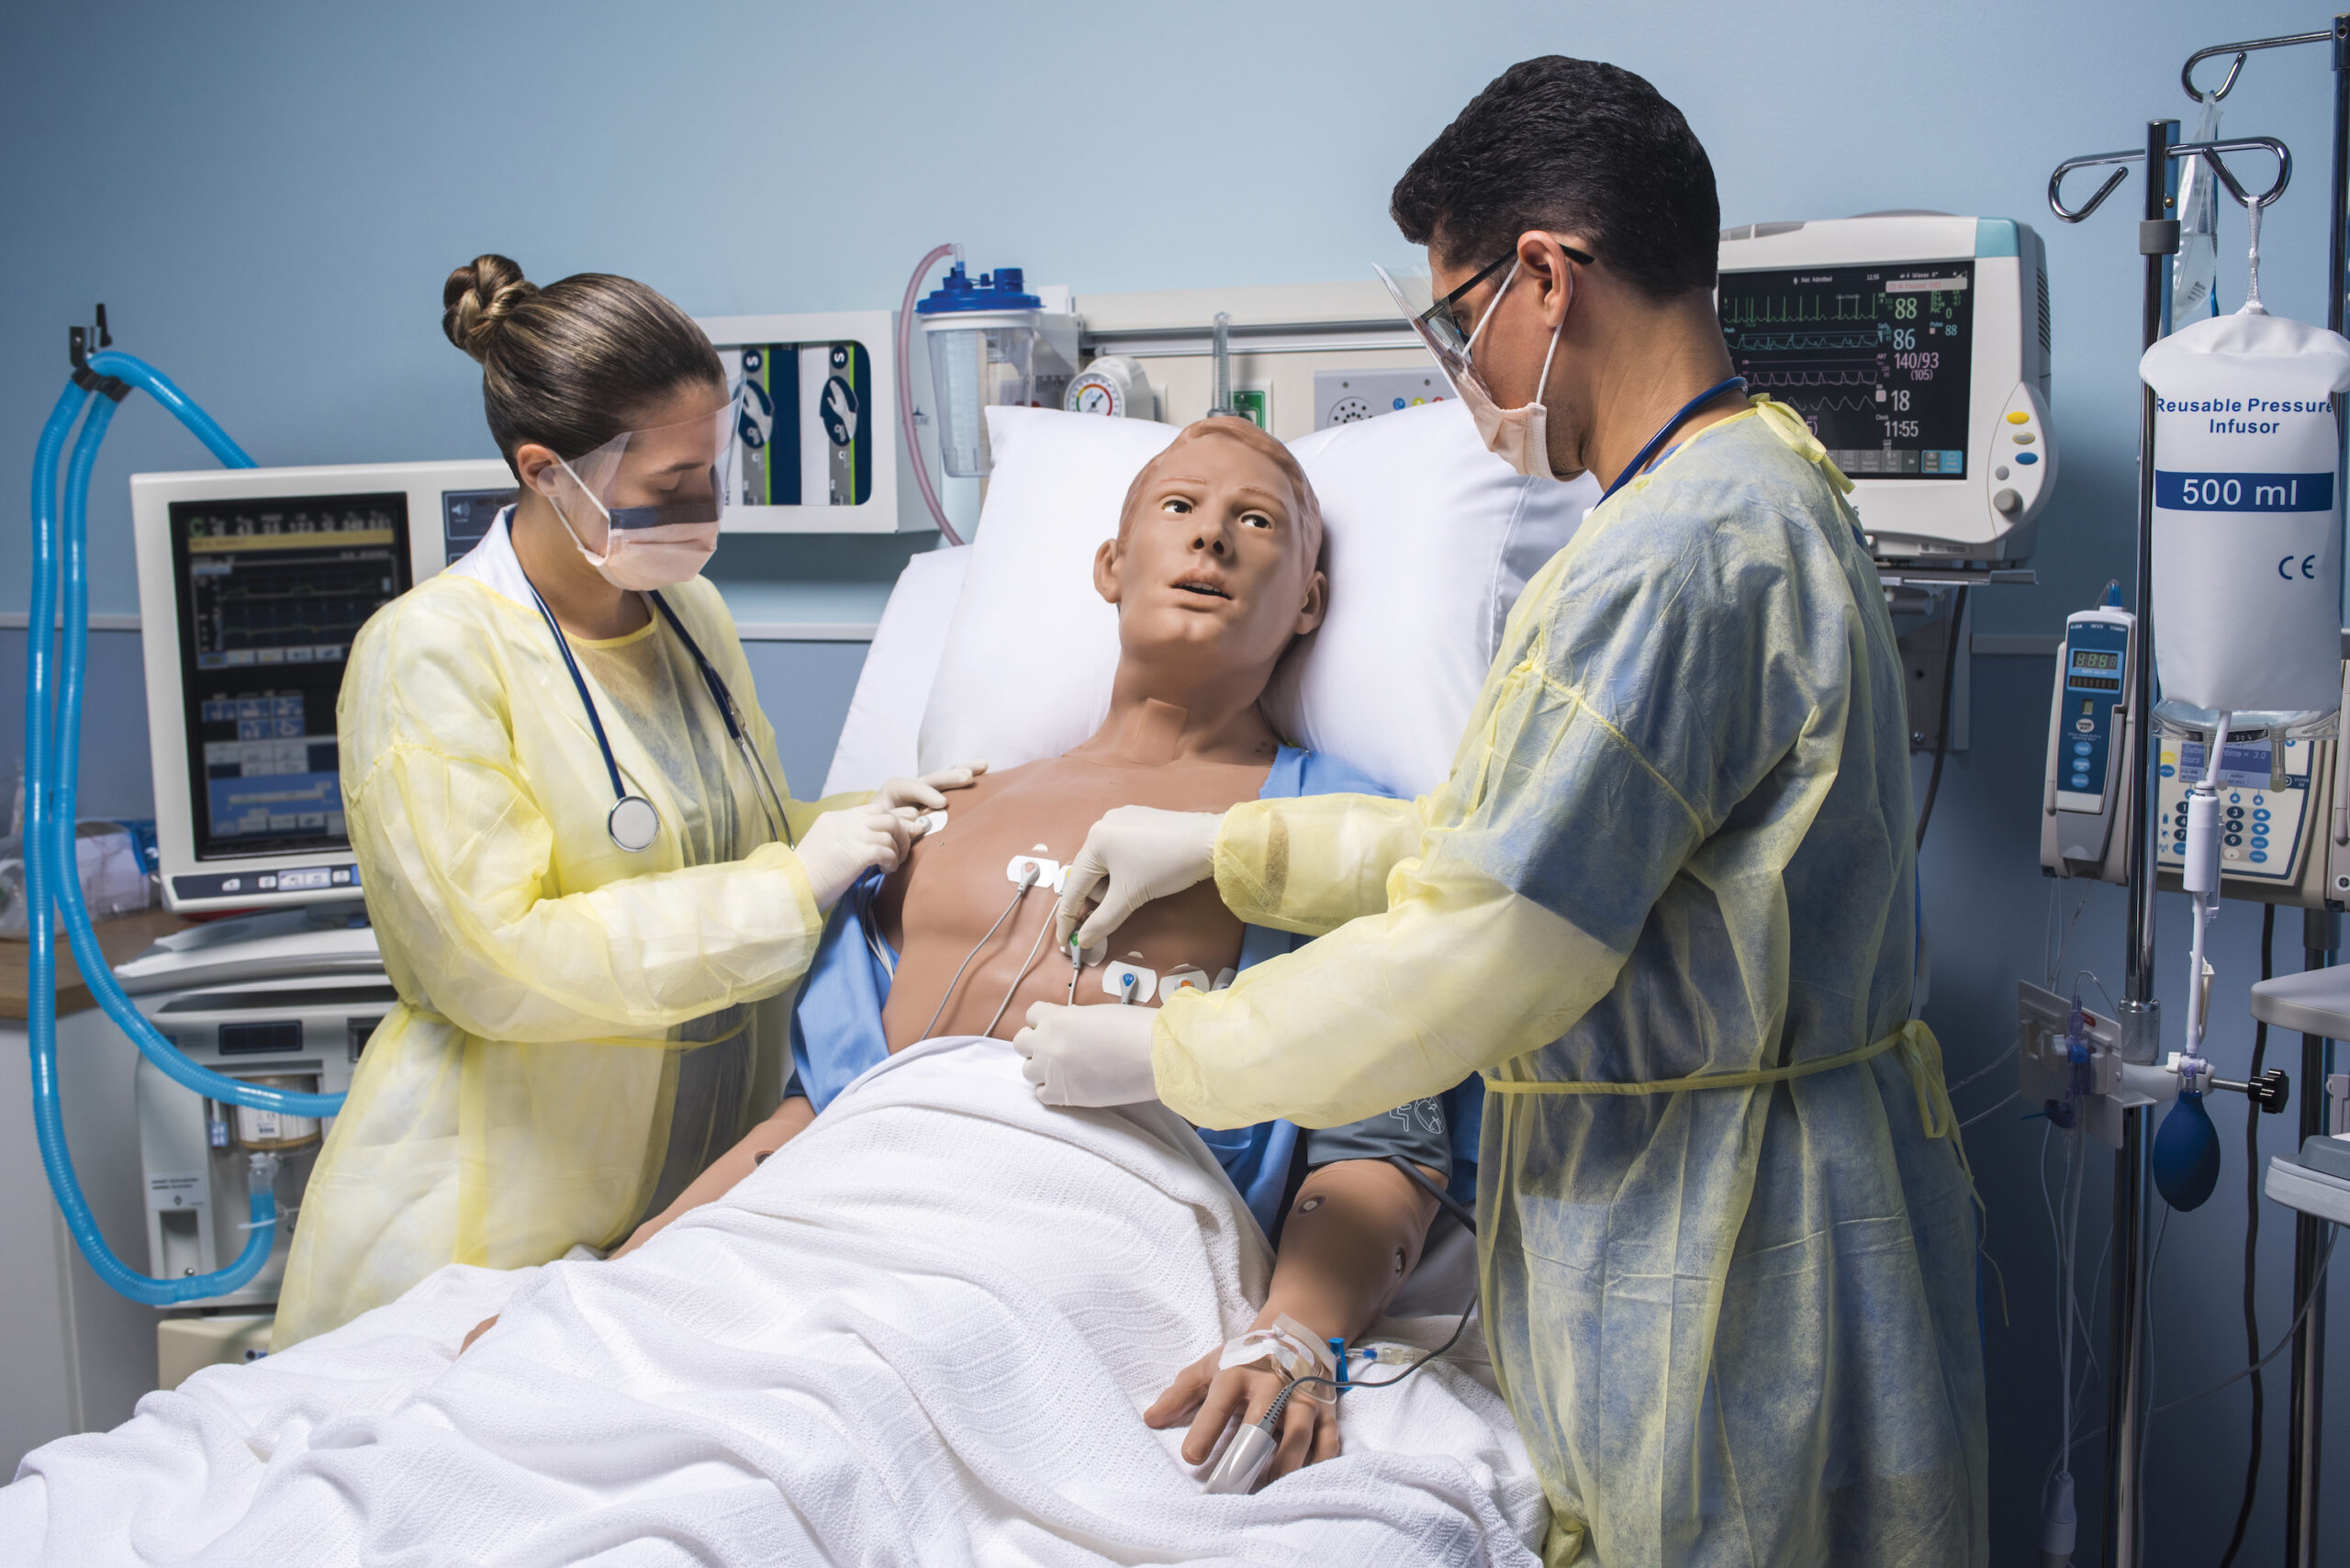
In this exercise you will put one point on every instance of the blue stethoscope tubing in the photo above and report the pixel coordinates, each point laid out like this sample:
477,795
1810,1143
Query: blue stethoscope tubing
1648,453
633,822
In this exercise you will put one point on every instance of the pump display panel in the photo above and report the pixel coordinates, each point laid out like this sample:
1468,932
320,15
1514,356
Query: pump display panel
271,593
1876,360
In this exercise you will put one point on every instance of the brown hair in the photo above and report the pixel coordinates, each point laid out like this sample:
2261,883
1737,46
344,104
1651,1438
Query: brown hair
571,365
1232,427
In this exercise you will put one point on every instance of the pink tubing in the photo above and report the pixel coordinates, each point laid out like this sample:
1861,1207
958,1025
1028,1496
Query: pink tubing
906,389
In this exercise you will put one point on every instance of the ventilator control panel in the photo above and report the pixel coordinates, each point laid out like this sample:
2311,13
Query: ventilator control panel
271,594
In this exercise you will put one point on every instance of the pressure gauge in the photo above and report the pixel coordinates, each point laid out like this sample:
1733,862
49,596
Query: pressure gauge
1113,384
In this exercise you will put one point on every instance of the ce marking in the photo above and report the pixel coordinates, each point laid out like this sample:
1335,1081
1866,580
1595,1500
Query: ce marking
2307,564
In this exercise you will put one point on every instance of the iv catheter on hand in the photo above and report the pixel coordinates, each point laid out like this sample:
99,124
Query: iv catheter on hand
52,749
1252,1447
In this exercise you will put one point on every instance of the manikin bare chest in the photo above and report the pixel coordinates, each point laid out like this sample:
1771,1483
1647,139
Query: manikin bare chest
937,908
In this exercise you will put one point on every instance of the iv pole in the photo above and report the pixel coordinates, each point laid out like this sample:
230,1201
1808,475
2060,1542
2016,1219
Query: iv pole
2321,928
2139,1013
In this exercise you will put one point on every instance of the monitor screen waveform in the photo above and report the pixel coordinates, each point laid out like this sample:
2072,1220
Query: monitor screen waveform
1875,359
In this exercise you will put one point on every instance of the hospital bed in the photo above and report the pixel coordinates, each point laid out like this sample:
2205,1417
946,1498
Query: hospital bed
921,1331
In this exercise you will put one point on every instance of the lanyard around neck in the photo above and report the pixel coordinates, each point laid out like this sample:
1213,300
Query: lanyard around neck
1648,453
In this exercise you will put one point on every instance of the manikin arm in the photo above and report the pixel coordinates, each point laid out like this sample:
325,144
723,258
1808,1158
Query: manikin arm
788,1121
1354,1233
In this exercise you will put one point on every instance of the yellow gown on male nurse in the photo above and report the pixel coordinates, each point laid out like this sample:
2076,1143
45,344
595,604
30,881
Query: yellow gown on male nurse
579,1028
1737,1325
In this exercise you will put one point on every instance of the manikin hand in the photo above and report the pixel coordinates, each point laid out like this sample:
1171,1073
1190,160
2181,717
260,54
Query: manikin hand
1096,1055
1209,1399
923,794
1141,853
842,845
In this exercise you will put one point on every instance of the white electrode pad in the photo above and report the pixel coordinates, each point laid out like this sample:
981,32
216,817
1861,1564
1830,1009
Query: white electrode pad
1178,980
1130,982
1049,873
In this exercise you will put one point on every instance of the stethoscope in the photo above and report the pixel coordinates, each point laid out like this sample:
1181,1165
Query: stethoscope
633,823
1648,453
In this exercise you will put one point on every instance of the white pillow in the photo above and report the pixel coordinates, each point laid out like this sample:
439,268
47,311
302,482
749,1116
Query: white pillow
1033,648
1428,540
879,738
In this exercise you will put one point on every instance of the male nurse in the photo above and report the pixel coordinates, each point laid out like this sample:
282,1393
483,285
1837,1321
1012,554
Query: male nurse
1664,906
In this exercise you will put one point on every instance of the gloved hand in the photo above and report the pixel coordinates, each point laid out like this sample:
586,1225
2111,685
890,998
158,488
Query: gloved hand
838,847
923,794
1096,1055
1143,854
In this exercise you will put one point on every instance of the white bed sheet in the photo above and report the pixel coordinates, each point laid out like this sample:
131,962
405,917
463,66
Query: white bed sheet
920,1334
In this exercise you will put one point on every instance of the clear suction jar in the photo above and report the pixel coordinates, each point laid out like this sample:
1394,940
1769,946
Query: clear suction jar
982,339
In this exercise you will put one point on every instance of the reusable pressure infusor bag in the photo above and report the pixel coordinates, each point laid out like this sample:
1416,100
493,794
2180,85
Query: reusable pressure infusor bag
2247,519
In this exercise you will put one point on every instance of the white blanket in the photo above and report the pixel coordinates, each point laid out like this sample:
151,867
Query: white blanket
920,1334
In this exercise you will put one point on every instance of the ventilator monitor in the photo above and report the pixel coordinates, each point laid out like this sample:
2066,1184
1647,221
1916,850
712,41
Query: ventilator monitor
252,583
1916,348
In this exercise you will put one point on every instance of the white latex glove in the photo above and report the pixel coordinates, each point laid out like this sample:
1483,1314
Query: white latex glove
923,794
1142,854
1096,1055
840,845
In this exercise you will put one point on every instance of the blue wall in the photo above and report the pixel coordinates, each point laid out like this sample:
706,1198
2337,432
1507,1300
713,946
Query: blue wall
268,195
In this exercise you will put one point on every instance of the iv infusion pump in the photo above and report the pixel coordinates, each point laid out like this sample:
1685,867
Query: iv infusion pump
2284,800
2092,734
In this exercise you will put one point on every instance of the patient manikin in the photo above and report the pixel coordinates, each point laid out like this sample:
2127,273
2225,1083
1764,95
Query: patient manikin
1213,574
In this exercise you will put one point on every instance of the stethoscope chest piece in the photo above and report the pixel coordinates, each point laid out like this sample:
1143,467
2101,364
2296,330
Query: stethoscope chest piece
633,823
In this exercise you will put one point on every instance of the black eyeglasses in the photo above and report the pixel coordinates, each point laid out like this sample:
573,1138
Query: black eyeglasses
1445,327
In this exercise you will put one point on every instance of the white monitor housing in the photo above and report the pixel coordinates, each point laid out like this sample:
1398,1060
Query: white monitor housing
251,584
1916,346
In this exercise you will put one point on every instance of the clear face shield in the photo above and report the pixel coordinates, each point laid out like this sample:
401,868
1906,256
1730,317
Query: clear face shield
1433,321
1438,322
643,508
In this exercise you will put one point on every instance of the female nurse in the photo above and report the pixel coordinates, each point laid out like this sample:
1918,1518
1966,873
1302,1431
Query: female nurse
589,885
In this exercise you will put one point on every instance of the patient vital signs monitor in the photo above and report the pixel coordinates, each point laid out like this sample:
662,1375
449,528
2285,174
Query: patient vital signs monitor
1915,347
252,583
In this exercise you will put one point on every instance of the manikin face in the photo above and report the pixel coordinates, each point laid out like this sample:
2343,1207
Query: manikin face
1213,557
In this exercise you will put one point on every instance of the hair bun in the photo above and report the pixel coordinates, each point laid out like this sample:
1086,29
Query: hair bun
477,298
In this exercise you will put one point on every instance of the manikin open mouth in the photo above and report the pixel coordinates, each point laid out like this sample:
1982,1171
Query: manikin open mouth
1202,586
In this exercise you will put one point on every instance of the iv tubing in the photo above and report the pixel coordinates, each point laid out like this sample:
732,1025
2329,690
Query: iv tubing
51,764
906,389
2203,854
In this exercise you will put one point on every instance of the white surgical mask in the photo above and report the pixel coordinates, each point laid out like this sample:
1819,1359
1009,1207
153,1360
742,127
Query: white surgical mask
643,557
664,542
1519,437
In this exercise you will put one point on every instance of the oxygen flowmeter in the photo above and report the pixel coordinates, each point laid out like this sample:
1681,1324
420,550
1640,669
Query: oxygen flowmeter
2093,734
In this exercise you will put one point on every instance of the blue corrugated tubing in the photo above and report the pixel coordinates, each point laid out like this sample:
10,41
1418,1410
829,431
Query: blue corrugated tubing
52,745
